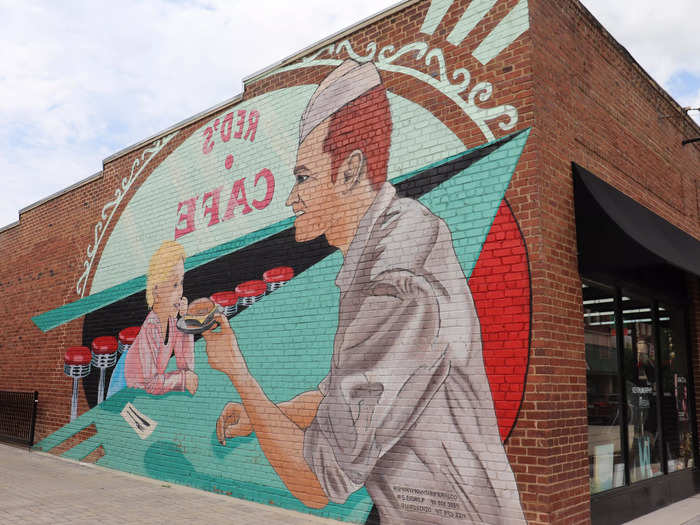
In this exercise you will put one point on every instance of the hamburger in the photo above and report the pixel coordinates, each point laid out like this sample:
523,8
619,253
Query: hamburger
200,313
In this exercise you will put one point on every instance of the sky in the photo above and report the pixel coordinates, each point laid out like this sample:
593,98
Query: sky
80,81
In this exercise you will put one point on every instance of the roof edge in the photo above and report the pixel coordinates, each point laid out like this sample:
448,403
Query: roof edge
237,98
638,67
83,182
175,127
9,226
325,41
218,107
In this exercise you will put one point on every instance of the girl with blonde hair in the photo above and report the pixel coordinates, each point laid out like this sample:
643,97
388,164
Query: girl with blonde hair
159,339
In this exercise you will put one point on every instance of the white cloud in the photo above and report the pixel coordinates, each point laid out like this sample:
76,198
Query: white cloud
81,80
662,36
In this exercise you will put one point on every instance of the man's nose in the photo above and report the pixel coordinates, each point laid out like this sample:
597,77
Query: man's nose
293,196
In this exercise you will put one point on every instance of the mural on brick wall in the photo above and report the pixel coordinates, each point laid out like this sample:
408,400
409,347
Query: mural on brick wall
320,299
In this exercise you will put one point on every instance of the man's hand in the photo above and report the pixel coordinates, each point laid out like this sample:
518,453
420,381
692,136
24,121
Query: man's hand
222,348
281,440
191,381
233,422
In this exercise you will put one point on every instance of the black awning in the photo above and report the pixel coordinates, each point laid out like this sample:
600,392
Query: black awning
605,214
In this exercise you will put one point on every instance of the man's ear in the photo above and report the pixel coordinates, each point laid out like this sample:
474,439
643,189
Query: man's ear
353,169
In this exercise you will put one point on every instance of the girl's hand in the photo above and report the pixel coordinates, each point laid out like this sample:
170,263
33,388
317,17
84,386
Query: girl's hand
182,310
191,381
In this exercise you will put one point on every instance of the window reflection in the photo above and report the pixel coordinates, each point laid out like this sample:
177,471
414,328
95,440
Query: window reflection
676,417
639,390
640,382
606,462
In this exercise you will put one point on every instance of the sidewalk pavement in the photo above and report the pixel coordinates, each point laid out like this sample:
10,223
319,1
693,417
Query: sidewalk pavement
40,488
684,512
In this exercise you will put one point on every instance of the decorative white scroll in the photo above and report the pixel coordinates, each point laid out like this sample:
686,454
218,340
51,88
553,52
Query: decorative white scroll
110,208
453,86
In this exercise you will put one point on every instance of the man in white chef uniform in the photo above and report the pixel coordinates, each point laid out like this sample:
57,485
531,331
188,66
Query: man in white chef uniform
406,409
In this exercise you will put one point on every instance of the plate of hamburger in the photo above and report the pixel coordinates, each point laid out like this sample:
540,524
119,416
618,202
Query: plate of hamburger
199,317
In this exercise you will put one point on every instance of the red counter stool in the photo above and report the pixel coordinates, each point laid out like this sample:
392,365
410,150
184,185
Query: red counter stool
76,365
228,301
250,292
104,356
127,338
277,277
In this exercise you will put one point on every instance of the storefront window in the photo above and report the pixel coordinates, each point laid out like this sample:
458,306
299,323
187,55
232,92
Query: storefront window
675,409
606,462
641,387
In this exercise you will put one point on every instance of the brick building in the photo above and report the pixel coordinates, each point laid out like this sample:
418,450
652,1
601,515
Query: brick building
516,338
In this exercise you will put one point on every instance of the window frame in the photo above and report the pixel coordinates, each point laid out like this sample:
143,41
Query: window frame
653,300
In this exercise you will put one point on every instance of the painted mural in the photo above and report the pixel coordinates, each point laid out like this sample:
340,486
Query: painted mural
320,299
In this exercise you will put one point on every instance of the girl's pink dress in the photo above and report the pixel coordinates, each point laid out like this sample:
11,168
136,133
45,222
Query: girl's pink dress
148,358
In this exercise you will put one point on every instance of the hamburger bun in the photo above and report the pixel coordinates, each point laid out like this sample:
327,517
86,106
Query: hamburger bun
200,311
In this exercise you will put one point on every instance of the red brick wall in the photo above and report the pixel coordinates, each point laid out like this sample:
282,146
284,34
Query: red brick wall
585,101
596,108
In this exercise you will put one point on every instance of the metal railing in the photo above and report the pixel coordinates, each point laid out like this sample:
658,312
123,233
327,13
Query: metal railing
18,416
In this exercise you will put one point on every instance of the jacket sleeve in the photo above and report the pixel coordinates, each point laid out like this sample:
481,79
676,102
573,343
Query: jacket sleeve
184,351
154,382
387,367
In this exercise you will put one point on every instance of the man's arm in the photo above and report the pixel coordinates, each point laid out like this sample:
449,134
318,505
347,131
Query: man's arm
302,409
281,439
234,421
390,364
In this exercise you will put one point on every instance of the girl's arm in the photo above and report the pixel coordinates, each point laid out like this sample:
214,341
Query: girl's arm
155,381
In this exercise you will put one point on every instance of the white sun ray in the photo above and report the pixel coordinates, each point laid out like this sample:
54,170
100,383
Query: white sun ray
505,33
436,12
472,16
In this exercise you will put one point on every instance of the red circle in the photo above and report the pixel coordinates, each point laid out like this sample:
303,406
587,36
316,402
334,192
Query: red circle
279,274
229,162
105,344
500,285
128,335
77,355
225,298
251,288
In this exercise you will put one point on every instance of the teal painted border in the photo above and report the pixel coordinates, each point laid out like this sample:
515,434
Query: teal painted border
447,160
68,312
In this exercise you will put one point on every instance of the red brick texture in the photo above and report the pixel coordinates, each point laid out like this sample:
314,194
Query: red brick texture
596,107
586,102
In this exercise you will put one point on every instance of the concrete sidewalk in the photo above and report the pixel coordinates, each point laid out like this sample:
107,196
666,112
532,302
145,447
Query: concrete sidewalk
39,488
684,512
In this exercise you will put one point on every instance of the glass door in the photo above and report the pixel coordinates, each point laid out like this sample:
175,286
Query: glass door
641,386
640,404
605,454
675,389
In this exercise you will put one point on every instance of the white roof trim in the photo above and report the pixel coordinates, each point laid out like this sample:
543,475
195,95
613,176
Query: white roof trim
11,225
174,127
78,184
335,36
